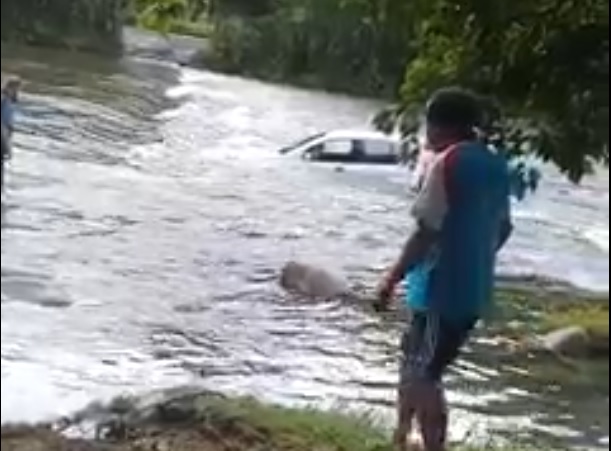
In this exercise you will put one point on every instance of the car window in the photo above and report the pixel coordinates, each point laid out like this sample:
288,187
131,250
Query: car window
380,148
338,147
315,149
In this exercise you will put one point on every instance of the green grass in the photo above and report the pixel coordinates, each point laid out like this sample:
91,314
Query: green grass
291,429
541,312
311,430
270,427
592,316
521,315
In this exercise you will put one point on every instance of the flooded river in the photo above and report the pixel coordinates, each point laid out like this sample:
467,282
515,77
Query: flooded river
146,218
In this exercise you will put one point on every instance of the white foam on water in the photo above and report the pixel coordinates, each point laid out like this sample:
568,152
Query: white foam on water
599,237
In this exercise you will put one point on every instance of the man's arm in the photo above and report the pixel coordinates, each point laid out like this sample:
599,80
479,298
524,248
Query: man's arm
415,250
429,211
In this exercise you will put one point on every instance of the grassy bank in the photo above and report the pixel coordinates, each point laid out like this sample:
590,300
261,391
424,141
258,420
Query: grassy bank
534,309
525,313
209,422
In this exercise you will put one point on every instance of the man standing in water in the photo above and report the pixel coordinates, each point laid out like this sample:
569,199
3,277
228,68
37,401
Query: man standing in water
10,97
462,218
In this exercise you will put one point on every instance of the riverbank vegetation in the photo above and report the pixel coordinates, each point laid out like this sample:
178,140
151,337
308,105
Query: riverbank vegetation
77,24
540,310
559,340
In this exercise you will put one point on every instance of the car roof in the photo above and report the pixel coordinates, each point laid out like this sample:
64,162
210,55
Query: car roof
371,135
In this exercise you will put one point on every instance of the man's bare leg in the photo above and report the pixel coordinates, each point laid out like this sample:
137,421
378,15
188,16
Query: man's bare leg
405,416
406,437
433,416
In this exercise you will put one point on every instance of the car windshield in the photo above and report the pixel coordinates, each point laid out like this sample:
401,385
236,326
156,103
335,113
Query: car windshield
301,143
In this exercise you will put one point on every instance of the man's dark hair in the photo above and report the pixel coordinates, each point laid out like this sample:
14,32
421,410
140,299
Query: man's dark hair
454,108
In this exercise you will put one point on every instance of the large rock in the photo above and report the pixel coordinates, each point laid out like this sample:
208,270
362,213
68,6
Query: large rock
567,342
116,419
313,283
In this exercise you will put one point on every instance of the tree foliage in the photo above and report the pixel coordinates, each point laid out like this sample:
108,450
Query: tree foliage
545,61
159,14
338,44
88,24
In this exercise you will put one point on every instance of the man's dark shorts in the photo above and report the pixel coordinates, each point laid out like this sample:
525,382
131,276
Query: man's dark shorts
430,345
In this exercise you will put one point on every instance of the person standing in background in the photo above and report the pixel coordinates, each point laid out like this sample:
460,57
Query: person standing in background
10,97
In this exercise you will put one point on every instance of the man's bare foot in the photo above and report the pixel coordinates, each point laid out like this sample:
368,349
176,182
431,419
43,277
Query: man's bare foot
414,443
410,441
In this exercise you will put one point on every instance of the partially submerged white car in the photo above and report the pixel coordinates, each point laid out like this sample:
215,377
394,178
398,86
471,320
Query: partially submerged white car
349,146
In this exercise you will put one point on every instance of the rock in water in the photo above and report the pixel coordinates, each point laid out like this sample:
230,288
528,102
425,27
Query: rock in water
567,342
312,282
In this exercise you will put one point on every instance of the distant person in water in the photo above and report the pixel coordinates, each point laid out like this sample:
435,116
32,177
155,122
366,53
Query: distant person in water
10,97
462,219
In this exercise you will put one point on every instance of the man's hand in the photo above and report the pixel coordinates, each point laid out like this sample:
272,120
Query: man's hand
415,249
385,292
